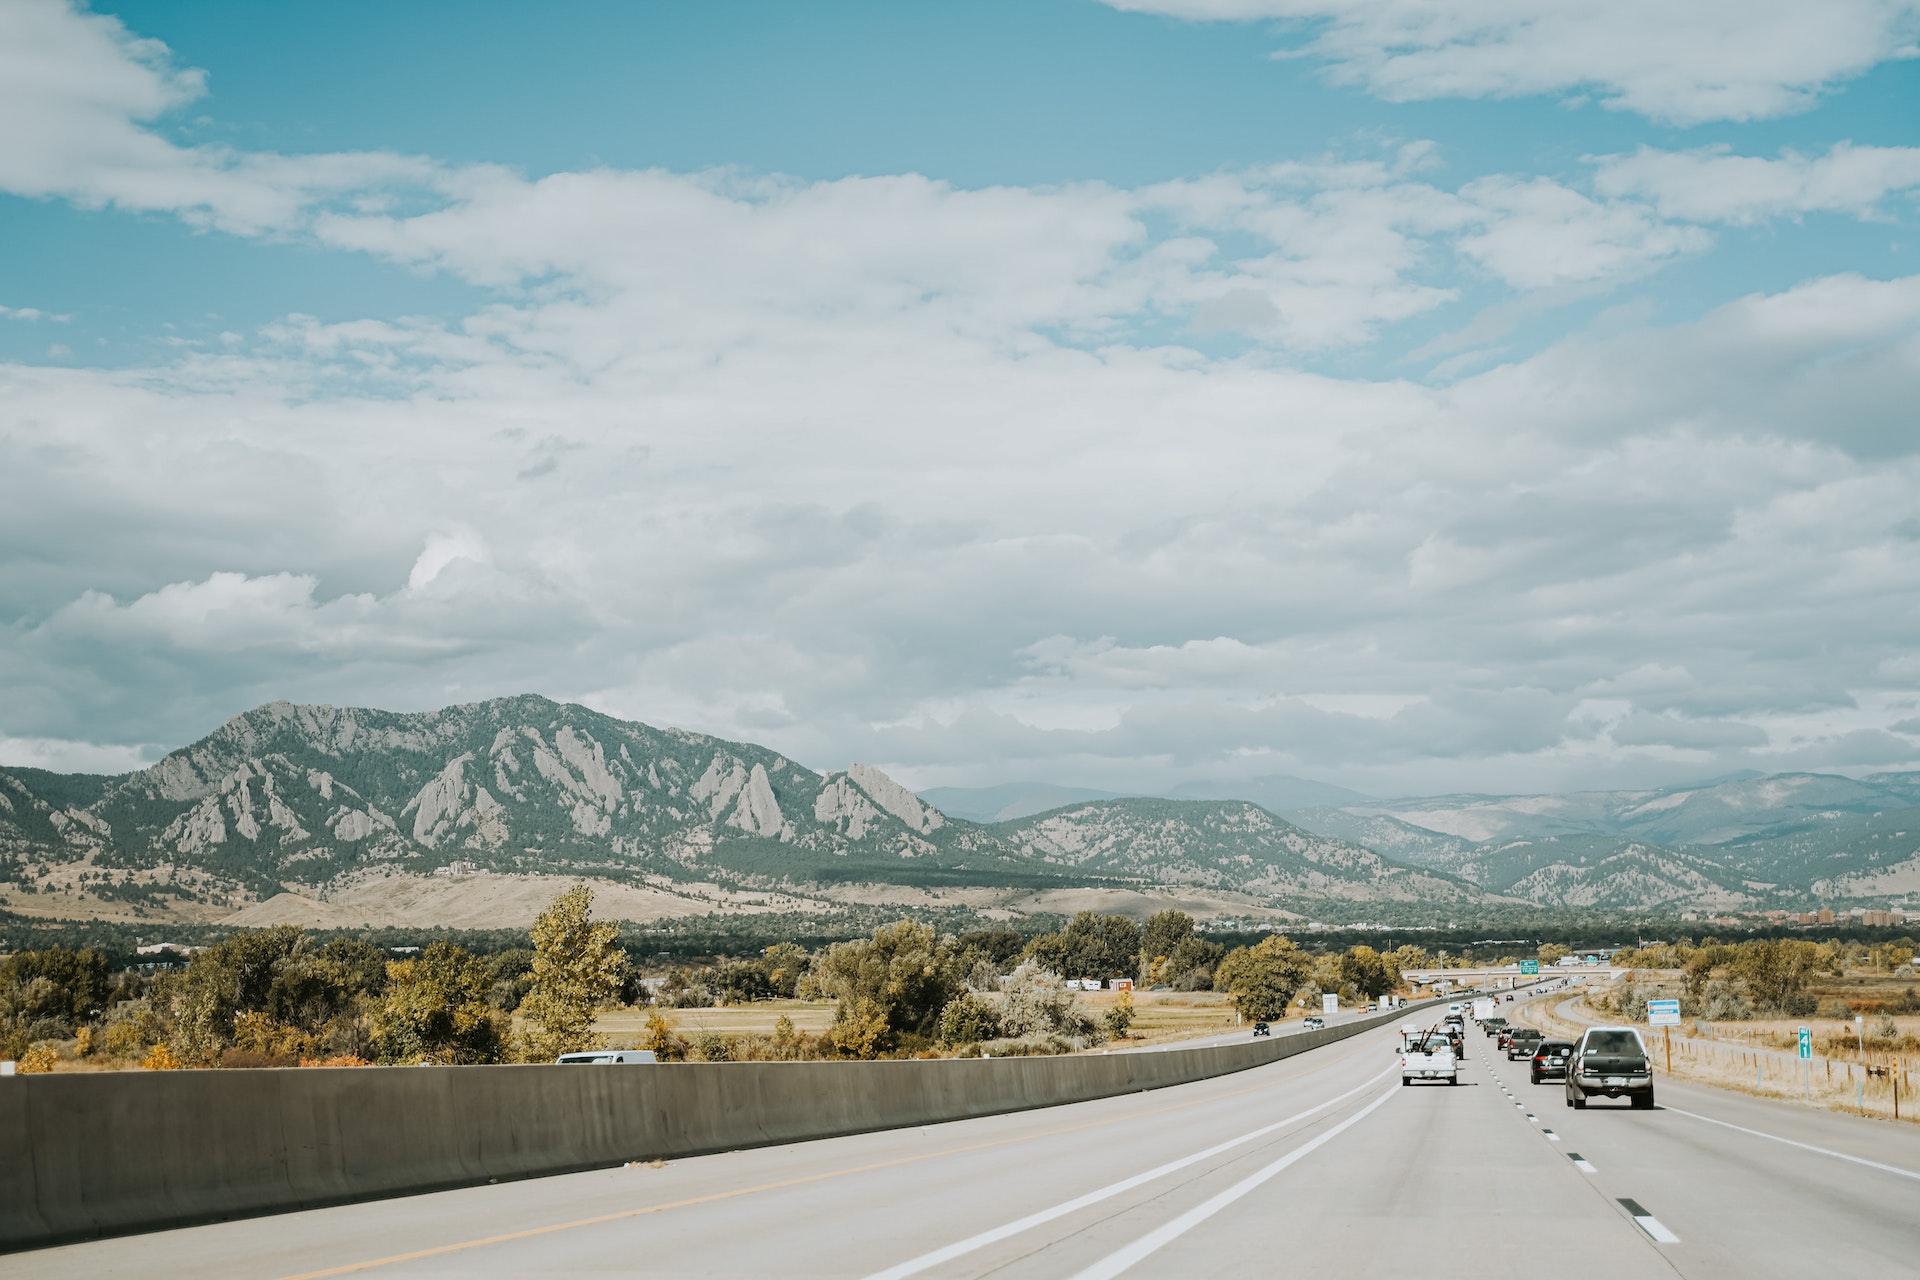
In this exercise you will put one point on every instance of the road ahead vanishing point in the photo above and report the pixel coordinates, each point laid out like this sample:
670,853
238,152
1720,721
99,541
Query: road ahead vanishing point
1318,1165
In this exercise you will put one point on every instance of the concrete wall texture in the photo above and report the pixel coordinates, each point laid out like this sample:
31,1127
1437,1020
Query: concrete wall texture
102,1153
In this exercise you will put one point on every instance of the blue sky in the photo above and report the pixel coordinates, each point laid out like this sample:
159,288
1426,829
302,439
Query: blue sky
1409,395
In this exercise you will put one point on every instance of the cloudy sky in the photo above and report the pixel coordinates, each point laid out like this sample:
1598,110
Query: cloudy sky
1412,395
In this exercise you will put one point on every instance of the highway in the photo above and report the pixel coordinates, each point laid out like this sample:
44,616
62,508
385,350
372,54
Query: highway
1319,1165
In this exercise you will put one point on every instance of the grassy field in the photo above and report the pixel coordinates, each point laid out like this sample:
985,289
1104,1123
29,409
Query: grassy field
1157,1016
625,1028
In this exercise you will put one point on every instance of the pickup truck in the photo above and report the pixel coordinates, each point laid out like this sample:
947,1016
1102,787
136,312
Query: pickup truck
1427,1055
1610,1062
1493,1026
1521,1042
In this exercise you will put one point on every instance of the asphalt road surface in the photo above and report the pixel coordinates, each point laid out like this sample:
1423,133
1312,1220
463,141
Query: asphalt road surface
1320,1165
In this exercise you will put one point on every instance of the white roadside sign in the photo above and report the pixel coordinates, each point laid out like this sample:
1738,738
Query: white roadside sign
1663,1013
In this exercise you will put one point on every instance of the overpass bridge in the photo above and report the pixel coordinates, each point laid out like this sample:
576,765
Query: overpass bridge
1504,976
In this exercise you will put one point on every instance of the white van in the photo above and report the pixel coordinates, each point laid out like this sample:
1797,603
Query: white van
597,1056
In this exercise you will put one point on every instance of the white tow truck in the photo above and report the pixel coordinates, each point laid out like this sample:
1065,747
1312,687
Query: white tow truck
1426,1053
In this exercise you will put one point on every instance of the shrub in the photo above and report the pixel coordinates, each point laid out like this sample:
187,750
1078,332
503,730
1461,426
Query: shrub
161,1058
666,1046
1119,1019
1038,1003
38,1058
890,987
436,1009
967,1018
1723,1001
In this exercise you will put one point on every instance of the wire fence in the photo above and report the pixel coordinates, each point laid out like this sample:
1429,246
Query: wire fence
1867,1082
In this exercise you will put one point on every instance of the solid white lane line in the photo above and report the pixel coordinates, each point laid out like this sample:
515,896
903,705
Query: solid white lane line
1648,1223
960,1248
1120,1259
1804,1146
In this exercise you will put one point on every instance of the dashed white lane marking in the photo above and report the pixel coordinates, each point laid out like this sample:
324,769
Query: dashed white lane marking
960,1248
1648,1223
1804,1146
1120,1259
1532,1118
1580,1162
1550,1135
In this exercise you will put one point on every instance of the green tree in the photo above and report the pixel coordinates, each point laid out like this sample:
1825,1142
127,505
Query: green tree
889,987
77,981
46,995
1776,972
785,964
577,964
1552,953
1091,946
264,971
1163,932
1261,979
1367,971
436,1009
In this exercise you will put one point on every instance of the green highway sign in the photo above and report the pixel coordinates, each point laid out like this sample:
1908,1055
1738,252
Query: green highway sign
1529,966
1806,1042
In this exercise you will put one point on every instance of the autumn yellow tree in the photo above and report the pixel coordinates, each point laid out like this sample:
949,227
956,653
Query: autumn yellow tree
577,964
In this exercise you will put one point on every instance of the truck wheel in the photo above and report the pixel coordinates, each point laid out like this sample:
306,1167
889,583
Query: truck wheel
1643,1101
1453,1079
1579,1104
1406,1080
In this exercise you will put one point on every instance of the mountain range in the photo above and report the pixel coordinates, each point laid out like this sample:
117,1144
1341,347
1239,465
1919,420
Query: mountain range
287,808
314,812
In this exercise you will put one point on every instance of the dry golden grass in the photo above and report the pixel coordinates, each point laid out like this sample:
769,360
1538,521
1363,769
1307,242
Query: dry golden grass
1751,1057
1158,1016
627,1027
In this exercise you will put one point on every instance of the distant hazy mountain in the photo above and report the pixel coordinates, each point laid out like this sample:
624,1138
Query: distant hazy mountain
1008,800
1401,841
1707,814
1220,844
1746,840
1276,793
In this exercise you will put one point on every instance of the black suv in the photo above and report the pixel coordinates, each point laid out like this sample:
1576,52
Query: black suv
1550,1060
1520,1042
1610,1062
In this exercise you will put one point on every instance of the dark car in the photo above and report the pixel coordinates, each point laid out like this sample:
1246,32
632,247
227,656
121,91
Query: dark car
1550,1060
1493,1025
1261,1029
1609,1062
1520,1042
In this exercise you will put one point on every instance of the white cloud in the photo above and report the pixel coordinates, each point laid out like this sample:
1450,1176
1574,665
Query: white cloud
1117,565
79,93
1712,184
1686,63
883,468
1539,234
63,756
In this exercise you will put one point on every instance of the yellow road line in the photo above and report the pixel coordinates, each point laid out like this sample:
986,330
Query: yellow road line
551,1228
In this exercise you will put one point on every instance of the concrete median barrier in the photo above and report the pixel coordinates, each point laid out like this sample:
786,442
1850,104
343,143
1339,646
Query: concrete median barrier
91,1154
